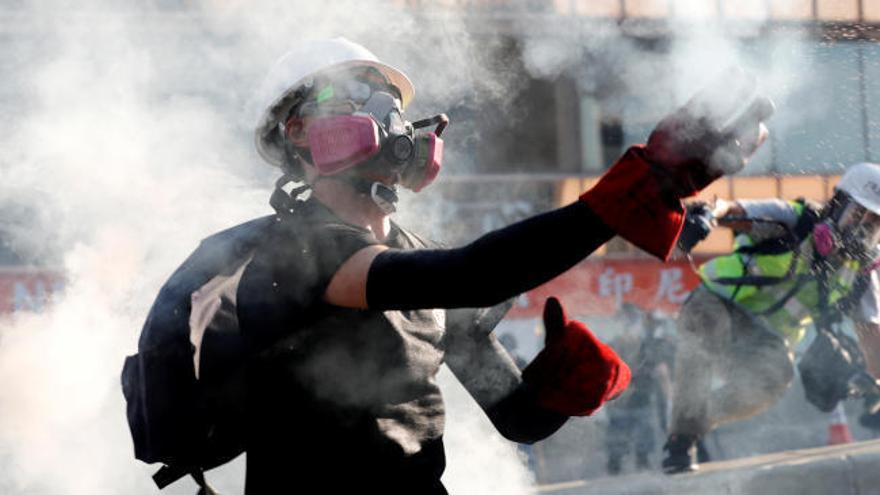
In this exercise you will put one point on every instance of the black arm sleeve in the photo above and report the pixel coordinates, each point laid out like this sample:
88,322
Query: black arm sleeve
495,267
488,372
519,418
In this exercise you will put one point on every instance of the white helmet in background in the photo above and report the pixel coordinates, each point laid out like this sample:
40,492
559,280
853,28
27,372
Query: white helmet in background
858,217
295,70
862,182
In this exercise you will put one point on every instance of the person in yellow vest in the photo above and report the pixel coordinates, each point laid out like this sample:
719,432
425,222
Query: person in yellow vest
794,263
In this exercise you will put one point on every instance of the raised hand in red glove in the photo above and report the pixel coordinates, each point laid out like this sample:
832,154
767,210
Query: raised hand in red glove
715,133
575,373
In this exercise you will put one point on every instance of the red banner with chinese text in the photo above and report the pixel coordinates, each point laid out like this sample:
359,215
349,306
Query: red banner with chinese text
599,287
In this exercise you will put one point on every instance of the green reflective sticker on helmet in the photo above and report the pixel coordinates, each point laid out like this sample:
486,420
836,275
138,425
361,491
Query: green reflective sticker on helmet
325,94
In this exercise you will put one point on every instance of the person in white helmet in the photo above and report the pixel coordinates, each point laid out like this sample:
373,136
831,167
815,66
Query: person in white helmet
794,263
342,310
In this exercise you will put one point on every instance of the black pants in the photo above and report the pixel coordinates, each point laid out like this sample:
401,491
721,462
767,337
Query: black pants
341,466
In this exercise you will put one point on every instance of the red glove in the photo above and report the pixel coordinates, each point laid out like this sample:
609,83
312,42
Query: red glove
575,373
715,133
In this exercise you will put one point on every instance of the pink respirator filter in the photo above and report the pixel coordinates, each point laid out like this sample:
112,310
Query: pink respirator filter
340,142
823,239
432,162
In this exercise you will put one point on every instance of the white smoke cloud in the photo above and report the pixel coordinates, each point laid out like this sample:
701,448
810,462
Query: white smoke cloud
132,144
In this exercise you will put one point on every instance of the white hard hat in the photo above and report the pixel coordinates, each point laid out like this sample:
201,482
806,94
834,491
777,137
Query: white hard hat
295,69
862,182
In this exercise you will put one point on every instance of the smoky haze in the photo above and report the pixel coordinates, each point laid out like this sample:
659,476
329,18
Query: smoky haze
129,138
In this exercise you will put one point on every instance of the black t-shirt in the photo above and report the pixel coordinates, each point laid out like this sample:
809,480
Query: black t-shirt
341,397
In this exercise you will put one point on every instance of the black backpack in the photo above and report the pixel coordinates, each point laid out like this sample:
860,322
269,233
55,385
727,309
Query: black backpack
833,367
828,367
184,399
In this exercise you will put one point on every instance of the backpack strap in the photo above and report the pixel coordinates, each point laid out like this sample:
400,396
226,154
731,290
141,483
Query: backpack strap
204,488
282,202
753,280
798,285
827,316
861,284
169,474
790,241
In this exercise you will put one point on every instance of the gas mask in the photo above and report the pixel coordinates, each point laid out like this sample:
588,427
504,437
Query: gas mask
376,136
851,229
859,231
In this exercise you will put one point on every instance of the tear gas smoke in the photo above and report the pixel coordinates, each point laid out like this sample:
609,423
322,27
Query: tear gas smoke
642,77
131,140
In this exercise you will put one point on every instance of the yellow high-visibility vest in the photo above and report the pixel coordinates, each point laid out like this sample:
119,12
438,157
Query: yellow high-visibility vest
792,318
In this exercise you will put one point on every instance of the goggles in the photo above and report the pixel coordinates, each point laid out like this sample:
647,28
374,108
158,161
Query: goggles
340,140
859,229
346,91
